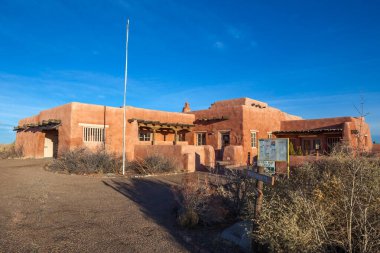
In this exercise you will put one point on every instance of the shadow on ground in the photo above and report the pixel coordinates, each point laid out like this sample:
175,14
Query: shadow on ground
156,200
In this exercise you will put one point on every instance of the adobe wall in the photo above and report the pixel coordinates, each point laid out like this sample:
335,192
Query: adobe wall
112,118
314,123
70,132
233,124
376,149
349,125
33,141
263,121
186,157
244,115
234,154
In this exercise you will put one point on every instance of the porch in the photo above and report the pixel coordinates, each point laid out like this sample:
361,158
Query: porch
309,142
161,133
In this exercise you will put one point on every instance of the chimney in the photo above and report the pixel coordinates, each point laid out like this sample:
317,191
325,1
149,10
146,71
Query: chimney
186,108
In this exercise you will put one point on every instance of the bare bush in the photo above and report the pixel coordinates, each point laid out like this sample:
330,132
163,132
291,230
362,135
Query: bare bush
225,199
331,205
154,164
85,161
10,151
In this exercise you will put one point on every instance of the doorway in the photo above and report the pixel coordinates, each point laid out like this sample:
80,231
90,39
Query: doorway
224,140
51,144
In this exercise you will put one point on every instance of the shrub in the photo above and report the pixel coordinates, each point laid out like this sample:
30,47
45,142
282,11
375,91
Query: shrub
10,151
291,149
331,205
154,164
202,202
85,161
299,151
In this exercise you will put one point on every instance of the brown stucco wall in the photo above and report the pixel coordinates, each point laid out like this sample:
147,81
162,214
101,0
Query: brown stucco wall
70,133
33,141
348,124
188,157
244,115
240,117
262,120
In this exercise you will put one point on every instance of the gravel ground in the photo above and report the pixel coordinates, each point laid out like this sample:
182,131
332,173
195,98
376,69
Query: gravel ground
42,211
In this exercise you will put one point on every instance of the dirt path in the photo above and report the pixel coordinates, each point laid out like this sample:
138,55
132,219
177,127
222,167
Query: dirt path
41,211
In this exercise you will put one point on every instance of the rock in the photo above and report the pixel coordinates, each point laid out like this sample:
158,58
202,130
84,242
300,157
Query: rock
239,233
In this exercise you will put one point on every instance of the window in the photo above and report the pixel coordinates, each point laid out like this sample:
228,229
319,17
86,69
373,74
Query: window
331,142
201,139
145,136
93,134
182,137
270,135
253,139
316,144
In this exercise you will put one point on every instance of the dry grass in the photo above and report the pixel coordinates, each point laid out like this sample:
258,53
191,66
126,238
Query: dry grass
154,164
210,202
331,205
10,151
85,161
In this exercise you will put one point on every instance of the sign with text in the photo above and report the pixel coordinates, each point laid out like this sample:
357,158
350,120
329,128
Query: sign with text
273,149
269,166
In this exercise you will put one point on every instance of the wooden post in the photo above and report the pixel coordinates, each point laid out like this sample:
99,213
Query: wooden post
259,197
175,137
154,136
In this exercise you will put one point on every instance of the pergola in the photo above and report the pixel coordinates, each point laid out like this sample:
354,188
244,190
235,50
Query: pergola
162,127
310,131
44,125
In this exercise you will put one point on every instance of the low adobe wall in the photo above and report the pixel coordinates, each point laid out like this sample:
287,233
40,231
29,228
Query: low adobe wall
376,148
234,154
187,157
296,161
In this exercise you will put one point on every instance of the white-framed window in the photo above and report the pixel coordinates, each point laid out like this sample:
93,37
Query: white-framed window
145,136
201,139
270,136
93,134
254,139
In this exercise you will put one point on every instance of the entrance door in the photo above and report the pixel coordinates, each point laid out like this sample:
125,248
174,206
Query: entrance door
224,141
51,143
48,147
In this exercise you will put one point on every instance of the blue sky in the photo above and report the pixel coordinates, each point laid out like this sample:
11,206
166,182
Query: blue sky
309,58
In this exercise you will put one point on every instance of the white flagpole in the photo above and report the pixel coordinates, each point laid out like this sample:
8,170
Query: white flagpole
125,91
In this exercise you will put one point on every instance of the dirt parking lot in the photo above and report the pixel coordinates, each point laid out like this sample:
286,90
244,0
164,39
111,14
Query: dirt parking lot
42,211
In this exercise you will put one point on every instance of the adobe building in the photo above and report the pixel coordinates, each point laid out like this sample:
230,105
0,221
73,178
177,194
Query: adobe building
227,131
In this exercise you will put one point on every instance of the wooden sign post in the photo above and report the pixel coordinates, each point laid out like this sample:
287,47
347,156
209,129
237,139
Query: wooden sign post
261,179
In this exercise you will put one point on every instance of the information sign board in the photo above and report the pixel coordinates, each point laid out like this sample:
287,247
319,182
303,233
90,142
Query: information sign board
273,149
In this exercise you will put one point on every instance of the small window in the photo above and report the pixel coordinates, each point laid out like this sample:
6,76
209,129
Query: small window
182,137
270,136
253,139
145,136
93,134
201,139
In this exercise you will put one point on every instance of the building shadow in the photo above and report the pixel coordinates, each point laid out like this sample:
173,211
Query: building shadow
156,200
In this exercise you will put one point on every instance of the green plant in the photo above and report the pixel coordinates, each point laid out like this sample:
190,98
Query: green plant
299,151
291,149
